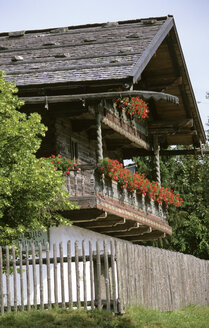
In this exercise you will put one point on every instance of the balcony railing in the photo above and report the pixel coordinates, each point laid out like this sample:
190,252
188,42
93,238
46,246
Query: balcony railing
89,183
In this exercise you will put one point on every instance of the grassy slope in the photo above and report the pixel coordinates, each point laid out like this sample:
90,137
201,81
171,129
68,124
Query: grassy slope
193,316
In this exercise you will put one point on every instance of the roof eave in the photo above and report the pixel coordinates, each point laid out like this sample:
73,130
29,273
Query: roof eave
151,49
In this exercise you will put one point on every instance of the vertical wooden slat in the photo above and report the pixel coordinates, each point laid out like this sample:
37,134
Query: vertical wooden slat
113,276
1,283
82,183
48,276
55,274
8,280
91,274
27,278
106,275
98,260
21,278
69,274
84,275
76,182
77,272
62,274
14,278
34,276
119,278
41,276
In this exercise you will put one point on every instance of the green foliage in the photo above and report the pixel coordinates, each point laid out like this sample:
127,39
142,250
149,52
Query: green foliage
188,175
31,191
135,317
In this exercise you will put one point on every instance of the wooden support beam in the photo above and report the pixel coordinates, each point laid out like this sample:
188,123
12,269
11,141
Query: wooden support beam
128,234
174,152
186,123
149,236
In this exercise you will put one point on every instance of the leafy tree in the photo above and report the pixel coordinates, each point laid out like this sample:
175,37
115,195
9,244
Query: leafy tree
31,190
189,175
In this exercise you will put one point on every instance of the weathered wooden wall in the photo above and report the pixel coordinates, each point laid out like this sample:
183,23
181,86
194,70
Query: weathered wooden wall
86,147
161,279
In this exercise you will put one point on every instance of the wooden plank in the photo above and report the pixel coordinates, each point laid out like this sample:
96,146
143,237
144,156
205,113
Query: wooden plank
62,274
1,283
48,276
84,275
98,268
106,275
41,276
21,278
114,255
69,274
27,277
8,280
55,274
98,96
118,272
34,276
91,275
14,278
77,272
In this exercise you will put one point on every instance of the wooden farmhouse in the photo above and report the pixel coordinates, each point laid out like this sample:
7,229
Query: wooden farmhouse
72,76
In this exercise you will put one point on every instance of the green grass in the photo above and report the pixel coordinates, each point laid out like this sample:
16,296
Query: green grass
135,317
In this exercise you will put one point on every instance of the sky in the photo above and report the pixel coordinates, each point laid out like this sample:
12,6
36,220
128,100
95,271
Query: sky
191,17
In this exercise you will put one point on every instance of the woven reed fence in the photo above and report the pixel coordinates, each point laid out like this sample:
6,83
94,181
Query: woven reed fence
98,274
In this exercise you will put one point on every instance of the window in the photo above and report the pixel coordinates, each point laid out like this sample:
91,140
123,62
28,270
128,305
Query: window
74,149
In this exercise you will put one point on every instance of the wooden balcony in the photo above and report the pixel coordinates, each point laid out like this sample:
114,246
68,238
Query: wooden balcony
108,209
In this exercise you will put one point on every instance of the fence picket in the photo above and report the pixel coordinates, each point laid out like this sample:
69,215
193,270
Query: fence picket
14,278
106,275
69,274
77,272
48,276
84,275
1,283
119,280
27,277
8,280
34,276
98,266
91,275
21,278
62,274
55,274
113,276
41,277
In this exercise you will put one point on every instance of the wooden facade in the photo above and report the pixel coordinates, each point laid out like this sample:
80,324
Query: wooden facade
72,75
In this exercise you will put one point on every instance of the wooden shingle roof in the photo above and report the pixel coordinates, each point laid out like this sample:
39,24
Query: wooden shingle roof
84,53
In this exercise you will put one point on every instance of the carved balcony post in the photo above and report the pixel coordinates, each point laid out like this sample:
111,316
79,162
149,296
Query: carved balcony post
99,133
157,165
157,158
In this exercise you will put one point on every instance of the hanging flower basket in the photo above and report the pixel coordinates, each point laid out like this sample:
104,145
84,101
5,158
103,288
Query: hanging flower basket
133,106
